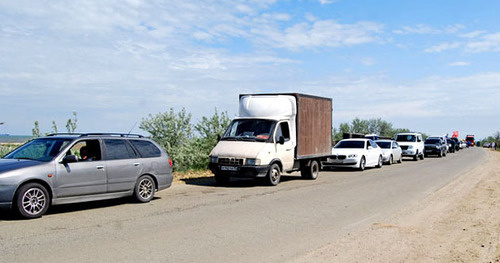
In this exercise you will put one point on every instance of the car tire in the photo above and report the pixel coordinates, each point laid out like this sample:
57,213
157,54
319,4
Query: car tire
379,164
415,158
221,179
400,158
310,171
444,154
362,164
144,189
32,200
391,160
273,175
422,156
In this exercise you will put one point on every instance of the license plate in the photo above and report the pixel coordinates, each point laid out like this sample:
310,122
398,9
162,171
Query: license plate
229,168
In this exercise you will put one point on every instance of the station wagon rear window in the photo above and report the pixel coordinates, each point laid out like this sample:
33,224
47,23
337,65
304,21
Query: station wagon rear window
146,149
119,149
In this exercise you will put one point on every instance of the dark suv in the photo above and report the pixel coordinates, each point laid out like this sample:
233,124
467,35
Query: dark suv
434,146
70,168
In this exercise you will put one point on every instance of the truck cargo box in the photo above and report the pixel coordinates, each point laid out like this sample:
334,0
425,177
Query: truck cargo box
314,126
313,121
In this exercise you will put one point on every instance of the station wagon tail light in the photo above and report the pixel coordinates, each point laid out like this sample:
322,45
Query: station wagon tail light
170,162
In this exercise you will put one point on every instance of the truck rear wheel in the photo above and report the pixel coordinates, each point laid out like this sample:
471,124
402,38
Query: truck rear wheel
310,171
274,175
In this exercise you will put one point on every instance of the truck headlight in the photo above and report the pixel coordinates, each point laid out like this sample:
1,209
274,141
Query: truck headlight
214,159
352,156
410,147
252,162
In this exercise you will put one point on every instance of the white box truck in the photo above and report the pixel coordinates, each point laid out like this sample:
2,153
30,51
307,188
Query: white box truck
275,133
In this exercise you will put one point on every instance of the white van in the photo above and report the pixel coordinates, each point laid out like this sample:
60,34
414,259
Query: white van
412,144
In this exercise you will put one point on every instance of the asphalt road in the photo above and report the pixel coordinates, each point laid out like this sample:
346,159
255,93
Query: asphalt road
244,222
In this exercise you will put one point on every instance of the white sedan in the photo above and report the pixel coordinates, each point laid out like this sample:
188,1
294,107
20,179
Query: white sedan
355,153
391,152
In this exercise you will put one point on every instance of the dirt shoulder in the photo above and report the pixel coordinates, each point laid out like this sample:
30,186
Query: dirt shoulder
458,223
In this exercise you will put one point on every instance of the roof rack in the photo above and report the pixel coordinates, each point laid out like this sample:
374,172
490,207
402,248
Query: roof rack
99,134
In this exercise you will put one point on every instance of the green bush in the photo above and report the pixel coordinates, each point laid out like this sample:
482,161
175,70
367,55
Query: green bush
6,148
174,132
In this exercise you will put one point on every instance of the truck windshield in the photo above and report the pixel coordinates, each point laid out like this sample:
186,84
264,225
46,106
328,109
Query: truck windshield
406,138
39,150
251,129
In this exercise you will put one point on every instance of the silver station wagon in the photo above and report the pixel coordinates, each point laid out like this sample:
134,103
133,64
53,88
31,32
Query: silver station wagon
71,168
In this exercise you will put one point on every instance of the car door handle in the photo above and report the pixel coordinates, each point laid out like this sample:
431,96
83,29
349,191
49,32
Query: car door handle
137,164
99,167
288,150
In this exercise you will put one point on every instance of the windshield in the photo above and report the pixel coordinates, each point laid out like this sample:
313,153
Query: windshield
406,138
432,141
39,149
384,145
350,145
251,129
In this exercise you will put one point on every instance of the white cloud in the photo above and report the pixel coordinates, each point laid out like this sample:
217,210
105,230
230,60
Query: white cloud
368,61
325,2
422,29
473,34
321,33
487,43
418,29
442,47
459,64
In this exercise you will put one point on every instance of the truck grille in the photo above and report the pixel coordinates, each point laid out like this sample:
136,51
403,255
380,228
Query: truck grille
404,147
231,161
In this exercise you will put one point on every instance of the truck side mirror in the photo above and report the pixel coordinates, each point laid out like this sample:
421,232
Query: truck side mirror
281,140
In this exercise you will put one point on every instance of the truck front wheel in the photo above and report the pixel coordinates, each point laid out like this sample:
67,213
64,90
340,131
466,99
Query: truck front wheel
274,175
310,171
221,179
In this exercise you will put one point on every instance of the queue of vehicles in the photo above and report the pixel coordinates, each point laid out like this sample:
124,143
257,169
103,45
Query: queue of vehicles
273,134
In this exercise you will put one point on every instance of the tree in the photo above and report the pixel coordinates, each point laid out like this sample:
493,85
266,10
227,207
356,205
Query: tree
209,129
71,123
35,132
359,126
54,127
172,131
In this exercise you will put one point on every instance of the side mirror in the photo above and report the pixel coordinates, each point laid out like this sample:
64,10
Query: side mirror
70,159
281,140
218,137
369,147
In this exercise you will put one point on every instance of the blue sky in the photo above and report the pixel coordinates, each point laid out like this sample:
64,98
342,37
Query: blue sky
430,66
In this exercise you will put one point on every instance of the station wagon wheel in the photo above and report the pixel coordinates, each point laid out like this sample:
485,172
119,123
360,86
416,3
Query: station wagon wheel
32,200
274,175
144,189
